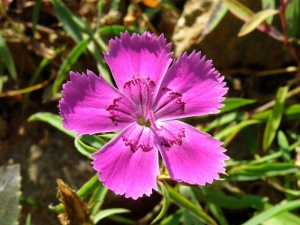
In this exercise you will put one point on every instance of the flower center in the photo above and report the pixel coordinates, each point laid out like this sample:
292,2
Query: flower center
144,122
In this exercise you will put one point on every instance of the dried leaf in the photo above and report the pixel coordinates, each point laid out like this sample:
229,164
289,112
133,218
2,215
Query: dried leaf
76,212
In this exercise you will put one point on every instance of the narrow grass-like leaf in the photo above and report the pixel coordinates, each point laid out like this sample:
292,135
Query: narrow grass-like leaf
226,132
292,14
239,10
121,220
245,14
240,201
166,202
234,103
284,146
69,61
83,148
35,15
113,30
268,4
282,218
101,65
215,18
10,180
218,213
1,76
108,212
225,119
28,220
97,198
256,20
52,119
188,218
67,18
7,59
254,172
174,219
263,216
183,202
275,118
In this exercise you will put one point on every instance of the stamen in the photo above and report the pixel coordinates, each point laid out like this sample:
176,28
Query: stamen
174,138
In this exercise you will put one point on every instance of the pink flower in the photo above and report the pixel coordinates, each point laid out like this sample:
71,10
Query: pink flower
151,94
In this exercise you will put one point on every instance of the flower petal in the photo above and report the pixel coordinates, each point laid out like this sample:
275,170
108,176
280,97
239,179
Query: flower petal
91,105
139,56
129,163
191,87
190,155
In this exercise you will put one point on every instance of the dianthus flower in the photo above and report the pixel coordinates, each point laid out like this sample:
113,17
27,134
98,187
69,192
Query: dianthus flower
151,94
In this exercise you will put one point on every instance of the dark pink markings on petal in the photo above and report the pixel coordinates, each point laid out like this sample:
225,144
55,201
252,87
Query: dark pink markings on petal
172,97
140,91
172,138
137,143
117,110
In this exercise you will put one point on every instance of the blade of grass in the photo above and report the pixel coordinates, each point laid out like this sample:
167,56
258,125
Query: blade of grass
35,15
69,61
67,18
256,20
6,57
263,216
275,118
188,205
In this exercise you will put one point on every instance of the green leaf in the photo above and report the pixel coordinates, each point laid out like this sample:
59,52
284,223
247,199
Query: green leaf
275,118
234,103
284,146
68,62
238,9
28,220
254,172
166,202
268,4
188,218
282,218
52,119
225,119
215,18
10,180
263,216
6,57
97,198
1,77
256,20
240,201
113,30
217,212
244,13
108,212
67,18
292,13
83,148
173,219
184,203
226,132
35,15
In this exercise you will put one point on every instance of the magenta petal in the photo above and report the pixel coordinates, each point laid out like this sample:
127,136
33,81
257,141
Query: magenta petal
129,163
139,56
190,155
191,87
91,105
